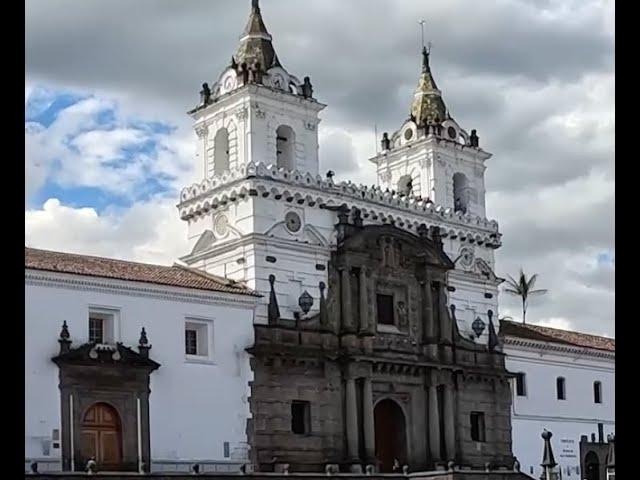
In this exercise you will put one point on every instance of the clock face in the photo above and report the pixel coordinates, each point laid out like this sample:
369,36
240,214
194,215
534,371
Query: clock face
221,225
229,83
466,257
408,134
293,222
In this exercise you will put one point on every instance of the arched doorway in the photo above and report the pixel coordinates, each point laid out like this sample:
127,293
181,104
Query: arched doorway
101,436
592,466
391,437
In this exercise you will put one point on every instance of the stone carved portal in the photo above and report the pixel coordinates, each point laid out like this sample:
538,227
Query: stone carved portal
102,436
391,435
104,399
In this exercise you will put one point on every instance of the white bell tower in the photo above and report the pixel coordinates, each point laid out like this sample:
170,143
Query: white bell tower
431,156
256,112
257,121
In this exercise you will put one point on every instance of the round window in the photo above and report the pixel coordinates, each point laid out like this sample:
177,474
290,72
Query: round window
452,133
408,134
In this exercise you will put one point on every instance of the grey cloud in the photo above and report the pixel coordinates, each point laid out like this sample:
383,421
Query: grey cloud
508,69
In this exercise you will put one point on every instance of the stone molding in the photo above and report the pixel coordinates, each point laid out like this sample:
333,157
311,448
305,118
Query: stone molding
315,191
543,346
123,287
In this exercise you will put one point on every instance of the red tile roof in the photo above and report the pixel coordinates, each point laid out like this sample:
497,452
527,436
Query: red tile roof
555,335
175,276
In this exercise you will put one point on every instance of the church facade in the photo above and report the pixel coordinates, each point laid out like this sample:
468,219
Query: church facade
314,325
374,338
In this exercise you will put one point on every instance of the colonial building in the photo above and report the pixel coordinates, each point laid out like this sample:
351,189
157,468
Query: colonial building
141,367
565,383
374,340
317,325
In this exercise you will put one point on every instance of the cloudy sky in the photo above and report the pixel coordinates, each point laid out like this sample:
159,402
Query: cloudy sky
109,145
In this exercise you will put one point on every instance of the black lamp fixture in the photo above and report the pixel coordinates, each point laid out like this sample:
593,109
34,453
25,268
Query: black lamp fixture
306,302
478,326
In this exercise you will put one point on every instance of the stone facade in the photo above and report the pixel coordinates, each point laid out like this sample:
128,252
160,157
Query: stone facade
412,379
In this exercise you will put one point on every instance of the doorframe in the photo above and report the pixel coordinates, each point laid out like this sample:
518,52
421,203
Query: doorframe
402,408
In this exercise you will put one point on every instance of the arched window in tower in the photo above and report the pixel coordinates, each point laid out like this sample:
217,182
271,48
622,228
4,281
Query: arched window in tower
460,193
405,185
221,152
285,147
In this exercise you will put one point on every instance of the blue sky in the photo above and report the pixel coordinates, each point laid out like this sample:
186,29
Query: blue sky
105,142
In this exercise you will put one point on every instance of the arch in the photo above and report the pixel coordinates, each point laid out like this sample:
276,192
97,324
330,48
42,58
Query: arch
460,193
561,388
285,147
390,434
101,436
221,152
591,466
597,392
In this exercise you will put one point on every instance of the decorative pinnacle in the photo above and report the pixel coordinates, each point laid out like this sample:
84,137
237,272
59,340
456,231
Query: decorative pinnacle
64,333
144,341
255,4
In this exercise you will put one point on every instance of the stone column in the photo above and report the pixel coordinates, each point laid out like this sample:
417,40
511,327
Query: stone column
345,297
434,423
427,311
445,316
364,304
369,427
449,421
352,419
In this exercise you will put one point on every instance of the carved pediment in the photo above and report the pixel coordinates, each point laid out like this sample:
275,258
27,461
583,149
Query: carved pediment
389,246
204,242
481,267
91,354
308,234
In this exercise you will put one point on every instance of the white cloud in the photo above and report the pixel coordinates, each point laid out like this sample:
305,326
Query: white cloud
148,232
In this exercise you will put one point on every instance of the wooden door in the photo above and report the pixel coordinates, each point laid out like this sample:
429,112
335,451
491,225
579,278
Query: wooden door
390,435
101,437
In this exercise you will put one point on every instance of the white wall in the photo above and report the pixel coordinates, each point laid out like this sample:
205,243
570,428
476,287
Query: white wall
194,408
566,419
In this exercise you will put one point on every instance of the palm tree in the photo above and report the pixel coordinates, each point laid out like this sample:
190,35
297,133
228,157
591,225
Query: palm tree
523,288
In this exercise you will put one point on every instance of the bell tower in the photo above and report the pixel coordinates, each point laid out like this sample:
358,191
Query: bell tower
431,156
256,112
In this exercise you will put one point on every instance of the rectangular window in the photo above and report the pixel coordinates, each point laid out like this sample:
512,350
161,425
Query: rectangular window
197,339
225,448
191,342
597,392
96,330
521,386
103,325
561,389
477,427
300,417
384,304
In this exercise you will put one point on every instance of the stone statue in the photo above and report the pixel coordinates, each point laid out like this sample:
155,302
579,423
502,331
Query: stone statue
474,140
258,73
205,94
307,88
245,73
386,143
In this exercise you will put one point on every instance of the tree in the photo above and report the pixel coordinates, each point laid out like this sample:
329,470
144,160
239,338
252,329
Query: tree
523,288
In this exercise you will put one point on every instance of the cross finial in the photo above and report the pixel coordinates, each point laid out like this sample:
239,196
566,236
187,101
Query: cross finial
422,24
